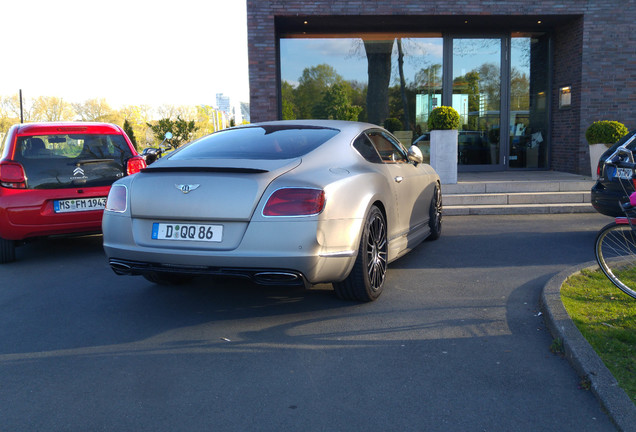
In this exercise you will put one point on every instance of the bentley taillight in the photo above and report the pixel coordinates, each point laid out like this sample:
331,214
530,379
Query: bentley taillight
117,199
12,175
295,202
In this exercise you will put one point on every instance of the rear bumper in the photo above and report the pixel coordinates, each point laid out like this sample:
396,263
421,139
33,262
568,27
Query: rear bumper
268,252
27,213
607,201
261,276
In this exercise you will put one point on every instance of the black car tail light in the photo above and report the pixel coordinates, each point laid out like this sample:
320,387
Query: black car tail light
12,175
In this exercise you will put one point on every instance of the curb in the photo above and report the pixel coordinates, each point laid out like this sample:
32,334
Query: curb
582,356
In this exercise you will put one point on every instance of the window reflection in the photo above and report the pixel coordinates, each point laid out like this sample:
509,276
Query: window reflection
394,82
477,99
528,94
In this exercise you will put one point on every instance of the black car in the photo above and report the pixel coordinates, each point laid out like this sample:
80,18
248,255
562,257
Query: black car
614,185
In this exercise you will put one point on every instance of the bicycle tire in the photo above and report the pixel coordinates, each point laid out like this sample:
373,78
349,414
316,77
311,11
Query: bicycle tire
615,251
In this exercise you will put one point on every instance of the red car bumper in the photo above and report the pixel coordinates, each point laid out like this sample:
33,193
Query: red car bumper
31,213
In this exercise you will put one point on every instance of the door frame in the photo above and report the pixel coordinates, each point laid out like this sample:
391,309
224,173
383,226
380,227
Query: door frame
504,92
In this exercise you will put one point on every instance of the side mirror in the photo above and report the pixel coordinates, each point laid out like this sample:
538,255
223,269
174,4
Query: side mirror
167,136
415,155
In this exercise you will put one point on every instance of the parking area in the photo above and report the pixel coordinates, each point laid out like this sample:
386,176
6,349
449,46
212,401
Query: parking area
456,342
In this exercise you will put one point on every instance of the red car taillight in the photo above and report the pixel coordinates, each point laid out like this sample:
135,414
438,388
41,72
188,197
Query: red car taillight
12,175
295,202
135,164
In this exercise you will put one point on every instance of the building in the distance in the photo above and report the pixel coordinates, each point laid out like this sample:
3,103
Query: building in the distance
527,78
234,110
223,103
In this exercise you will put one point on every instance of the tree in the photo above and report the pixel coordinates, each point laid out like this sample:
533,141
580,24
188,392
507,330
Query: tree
138,117
47,108
312,84
519,90
336,104
405,105
93,110
131,134
173,111
287,100
182,130
379,70
12,106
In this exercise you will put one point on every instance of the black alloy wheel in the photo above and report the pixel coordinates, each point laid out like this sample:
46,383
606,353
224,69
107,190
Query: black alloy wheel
366,280
435,217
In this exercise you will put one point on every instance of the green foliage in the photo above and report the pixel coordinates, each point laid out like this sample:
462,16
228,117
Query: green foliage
313,83
392,124
336,104
288,96
322,93
182,130
605,132
607,319
130,132
443,118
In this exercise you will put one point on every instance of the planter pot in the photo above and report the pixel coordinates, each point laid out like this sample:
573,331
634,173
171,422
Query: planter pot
444,155
596,150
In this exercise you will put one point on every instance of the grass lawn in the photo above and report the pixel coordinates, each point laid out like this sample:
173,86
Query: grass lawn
607,319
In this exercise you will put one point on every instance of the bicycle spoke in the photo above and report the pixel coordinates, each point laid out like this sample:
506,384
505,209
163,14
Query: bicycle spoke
616,254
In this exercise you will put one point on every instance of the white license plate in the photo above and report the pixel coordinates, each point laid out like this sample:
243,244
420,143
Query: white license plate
624,173
79,205
186,231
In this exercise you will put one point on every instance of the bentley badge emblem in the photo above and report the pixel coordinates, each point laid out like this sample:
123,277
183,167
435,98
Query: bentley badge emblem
186,188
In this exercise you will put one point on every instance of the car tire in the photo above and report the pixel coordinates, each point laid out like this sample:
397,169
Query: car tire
435,215
7,251
167,278
366,280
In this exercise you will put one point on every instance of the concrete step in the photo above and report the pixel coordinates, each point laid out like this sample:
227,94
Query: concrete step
475,187
537,196
517,198
518,209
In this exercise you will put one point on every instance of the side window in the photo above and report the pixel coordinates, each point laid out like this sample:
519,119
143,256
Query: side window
389,150
366,149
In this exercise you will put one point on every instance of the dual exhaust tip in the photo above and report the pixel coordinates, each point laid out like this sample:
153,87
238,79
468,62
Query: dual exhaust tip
260,277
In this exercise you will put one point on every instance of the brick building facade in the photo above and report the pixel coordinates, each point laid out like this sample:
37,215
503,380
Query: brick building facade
592,47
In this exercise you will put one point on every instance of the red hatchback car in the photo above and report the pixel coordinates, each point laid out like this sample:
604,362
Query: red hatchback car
55,177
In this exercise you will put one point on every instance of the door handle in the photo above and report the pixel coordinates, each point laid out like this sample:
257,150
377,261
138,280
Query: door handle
398,179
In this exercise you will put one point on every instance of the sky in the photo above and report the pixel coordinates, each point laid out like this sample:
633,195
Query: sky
348,57
129,52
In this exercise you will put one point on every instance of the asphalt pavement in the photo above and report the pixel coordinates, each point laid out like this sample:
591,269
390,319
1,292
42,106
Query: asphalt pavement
457,342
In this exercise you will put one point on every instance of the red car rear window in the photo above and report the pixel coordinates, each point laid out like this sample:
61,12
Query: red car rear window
72,160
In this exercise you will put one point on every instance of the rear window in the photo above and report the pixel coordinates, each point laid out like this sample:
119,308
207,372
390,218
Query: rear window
74,160
258,142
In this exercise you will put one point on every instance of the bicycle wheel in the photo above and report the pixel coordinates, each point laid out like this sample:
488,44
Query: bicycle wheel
616,255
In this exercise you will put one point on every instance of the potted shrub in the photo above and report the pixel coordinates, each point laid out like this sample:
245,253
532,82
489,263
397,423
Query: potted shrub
600,136
443,122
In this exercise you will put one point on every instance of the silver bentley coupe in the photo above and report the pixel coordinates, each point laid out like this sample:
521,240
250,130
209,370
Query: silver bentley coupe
286,202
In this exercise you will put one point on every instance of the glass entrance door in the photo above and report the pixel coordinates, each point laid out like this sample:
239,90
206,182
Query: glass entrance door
528,116
476,95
